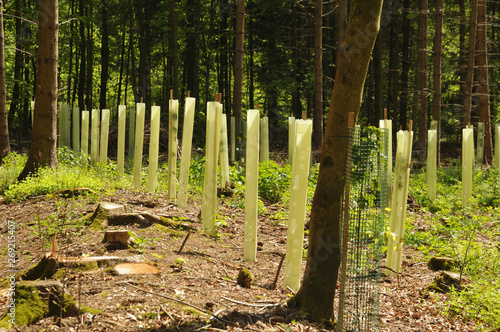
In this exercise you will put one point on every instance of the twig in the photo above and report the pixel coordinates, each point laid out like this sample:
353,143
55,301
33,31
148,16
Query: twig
184,242
250,304
278,271
208,313
170,316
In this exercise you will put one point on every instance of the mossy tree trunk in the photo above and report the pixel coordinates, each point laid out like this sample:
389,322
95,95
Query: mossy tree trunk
44,136
316,295
4,126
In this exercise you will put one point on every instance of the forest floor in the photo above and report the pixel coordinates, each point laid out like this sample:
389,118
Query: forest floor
207,278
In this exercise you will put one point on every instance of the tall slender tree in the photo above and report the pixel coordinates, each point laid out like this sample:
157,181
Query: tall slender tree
42,150
470,63
104,55
422,75
316,294
318,74
4,124
437,61
482,78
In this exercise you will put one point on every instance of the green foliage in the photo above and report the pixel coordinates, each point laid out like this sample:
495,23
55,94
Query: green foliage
274,181
72,173
467,235
10,168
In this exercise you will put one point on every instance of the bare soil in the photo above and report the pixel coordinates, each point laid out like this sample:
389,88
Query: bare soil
206,280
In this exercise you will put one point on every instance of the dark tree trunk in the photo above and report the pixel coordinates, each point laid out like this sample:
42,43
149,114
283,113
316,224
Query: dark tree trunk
104,56
144,66
405,66
42,150
238,59
4,124
316,295
437,60
192,51
422,73
318,74
122,64
15,104
462,62
378,80
83,59
174,50
90,58
482,78
395,63
470,65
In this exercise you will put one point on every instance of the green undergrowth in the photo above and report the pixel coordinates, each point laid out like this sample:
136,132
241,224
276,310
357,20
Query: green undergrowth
469,235
72,172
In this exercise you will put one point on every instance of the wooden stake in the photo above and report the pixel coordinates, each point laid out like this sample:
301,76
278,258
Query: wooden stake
385,113
275,282
304,115
257,106
142,100
410,126
184,242
189,94
171,94
350,123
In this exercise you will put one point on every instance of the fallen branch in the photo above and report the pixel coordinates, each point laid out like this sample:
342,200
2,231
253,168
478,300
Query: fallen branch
259,305
275,282
208,313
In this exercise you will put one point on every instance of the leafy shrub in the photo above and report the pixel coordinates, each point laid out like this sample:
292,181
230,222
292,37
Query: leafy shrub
11,167
274,181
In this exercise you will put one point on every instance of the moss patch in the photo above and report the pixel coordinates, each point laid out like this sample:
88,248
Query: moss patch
441,264
244,278
45,269
165,229
29,307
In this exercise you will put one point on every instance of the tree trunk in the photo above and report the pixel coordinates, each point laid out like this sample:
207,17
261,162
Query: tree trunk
104,56
437,61
340,27
395,63
4,125
482,78
462,61
238,58
316,295
42,150
174,49
83,59
378,81
405,66
318,74
15,104
192,50
422,71
144,68
470,65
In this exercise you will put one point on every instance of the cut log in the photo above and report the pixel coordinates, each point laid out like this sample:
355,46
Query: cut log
120,239
136,268
441,263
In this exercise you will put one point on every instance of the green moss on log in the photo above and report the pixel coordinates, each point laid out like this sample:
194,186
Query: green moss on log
29,308
45,269
168,230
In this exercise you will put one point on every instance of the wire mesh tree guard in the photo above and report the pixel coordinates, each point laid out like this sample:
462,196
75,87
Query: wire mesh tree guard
362,229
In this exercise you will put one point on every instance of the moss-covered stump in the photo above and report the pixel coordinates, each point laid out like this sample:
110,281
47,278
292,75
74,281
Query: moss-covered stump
244,278
445,281
98,220
441,264
44,269
34,300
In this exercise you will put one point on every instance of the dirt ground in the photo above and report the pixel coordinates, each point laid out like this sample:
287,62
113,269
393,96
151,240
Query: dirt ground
206,280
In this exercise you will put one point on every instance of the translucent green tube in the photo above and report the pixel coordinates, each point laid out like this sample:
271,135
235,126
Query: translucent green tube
154,142
139,141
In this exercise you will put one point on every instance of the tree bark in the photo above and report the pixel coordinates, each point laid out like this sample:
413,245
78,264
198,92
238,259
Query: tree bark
462,61
405,66
437,61
395,64
238,59
144,66
470,64
174,49
316,295
42,150
318,74
104,55
340,27
4,124
482,78
83,59
378,81
422,72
